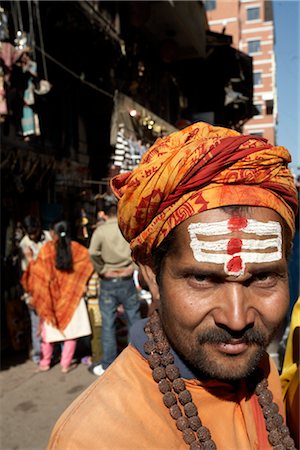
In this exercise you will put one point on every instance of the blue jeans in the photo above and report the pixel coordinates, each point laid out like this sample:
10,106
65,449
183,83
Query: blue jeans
35,337
113,293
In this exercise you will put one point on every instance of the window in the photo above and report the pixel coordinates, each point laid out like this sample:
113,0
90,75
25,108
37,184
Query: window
258,108
253,46
269,107
253,13
257,78
210,5
257,133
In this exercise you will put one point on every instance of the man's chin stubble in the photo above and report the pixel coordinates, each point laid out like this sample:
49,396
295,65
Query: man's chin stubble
229,371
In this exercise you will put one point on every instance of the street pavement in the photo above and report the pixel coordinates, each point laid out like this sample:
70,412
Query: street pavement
31,402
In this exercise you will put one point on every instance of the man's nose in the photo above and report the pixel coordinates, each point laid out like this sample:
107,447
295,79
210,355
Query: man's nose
234,310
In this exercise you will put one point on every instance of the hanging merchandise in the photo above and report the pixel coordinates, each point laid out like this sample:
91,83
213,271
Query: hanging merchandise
133,130
3,25
21,41
121,147
139,122
8,57
43,87
128,151
30,120
3,104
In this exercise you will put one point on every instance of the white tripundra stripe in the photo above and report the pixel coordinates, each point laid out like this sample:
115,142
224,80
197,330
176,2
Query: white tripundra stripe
223,258
248,244
219,228
249,250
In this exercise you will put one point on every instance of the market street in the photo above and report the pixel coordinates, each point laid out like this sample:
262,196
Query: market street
31,402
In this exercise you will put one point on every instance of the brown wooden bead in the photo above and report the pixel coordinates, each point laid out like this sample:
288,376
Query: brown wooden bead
154,360
167,359
270,410
147,328
149,347
184,397
209,445
155,326
267,411
203,434
169,399
274,408
182,423
159,336
277,420
279,447
162,347
288,442
261,386
284,431
164,386
172,372
175,412
196,446
195,423
274,437
265,398
188,436
154,317
178,385
158,374
190,409
269,424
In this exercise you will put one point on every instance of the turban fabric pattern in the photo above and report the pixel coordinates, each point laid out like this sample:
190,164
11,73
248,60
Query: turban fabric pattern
195,169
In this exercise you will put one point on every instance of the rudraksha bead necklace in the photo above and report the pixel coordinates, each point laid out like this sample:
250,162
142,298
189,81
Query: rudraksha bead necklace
179,400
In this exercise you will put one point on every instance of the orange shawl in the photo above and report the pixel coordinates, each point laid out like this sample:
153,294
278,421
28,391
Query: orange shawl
201,167
55,293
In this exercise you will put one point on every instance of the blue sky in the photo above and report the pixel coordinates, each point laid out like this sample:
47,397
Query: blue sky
287,39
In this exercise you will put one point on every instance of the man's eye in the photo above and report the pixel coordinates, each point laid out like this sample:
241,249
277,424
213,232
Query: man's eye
264,278
202,279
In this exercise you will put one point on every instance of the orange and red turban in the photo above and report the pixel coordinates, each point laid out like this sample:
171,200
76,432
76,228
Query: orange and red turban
195,169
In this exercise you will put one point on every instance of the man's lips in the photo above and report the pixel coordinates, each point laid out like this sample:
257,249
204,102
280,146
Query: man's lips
233,347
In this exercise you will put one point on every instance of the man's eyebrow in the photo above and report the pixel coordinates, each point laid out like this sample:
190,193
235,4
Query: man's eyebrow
191,270
275,266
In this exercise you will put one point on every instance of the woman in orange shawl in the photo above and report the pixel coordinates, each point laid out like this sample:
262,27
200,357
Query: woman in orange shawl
57,282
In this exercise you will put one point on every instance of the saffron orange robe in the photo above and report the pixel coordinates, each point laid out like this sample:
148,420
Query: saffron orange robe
124,409
55,293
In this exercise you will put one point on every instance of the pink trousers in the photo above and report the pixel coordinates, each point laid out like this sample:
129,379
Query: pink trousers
67,353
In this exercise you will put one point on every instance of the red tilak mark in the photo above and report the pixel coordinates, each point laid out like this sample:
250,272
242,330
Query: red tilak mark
236,223
235,264
234,246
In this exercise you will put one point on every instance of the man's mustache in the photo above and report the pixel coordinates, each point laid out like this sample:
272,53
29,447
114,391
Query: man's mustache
248,336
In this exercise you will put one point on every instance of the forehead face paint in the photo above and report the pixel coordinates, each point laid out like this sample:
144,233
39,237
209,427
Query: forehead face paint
234,253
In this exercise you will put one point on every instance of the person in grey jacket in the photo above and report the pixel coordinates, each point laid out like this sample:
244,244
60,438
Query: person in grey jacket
111,256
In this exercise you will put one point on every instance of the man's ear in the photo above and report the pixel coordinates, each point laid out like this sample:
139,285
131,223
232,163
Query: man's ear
150,278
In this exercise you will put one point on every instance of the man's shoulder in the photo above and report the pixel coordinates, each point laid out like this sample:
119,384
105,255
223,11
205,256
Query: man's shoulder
100,229
112,222
95,414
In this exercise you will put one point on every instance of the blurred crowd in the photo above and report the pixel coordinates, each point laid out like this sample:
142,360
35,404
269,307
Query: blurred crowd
73,301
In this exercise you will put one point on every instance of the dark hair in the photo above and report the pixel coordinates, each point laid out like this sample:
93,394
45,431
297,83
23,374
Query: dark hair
64,258
110,209
161,252
31,224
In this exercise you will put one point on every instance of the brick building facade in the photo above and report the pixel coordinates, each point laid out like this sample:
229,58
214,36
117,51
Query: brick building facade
250,23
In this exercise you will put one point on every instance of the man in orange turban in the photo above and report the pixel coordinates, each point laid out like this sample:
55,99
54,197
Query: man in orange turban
209,214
